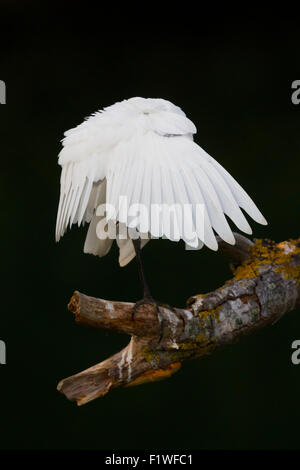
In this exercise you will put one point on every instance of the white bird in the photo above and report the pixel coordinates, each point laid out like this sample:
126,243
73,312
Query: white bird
142,149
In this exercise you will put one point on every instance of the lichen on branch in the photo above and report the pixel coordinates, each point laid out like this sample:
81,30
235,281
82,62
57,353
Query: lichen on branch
265,286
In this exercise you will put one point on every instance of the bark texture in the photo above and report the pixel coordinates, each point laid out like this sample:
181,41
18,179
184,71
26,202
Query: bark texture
265,286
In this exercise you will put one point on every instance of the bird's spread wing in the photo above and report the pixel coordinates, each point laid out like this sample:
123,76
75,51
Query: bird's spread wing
173,172
139,157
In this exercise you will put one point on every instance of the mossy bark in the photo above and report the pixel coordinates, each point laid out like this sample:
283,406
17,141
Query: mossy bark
265,286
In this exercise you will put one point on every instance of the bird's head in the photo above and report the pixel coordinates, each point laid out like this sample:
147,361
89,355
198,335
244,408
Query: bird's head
154,114
149,106
122,121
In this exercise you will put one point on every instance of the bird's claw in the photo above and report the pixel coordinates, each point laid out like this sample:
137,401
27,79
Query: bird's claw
156,304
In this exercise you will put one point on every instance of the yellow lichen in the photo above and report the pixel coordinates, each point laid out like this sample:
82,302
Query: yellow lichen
202,338
267,253
202,343
151,356
213,314
187,346
288,267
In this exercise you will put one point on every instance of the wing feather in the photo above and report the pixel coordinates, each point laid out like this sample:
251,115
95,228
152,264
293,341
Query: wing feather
94,244
174,171
147,156
204,233
188,226
156,228
226,198
214,209
242,198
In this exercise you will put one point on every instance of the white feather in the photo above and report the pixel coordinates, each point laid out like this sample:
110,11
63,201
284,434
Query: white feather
143,150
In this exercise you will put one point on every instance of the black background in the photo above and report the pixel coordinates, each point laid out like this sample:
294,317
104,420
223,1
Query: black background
232,76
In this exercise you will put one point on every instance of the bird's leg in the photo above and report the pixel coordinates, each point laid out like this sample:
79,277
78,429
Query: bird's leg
147,297
146,291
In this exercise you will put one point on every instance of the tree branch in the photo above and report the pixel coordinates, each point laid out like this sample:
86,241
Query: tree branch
265,286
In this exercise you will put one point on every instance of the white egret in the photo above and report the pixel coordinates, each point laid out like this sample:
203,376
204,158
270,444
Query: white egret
142,151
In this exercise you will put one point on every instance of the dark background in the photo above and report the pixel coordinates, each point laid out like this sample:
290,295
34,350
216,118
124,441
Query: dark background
233,79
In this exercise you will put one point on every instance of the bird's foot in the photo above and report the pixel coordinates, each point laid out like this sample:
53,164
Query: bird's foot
156,304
